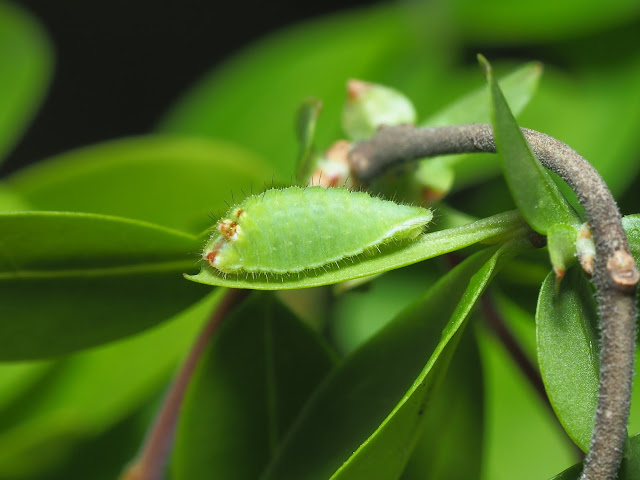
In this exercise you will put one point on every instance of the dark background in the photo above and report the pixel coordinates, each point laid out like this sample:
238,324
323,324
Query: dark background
120,64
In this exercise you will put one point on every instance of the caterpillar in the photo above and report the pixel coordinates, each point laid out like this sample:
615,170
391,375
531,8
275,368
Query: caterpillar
293,229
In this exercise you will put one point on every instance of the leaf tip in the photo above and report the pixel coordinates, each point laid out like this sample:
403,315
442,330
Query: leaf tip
485,65
190,277
538,67
559,272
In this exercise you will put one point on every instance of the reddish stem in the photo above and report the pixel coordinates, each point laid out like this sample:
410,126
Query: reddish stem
151,462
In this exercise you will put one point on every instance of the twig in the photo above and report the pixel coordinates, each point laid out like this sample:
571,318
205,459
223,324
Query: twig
151,461
615,272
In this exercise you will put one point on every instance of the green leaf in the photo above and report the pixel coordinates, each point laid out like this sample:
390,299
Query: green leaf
504,225
10,201
369,106
535,193
568,352
523,439
314,58
71,280
175,182
87,393
17,377
561,242
595,108
436,175
357,316
631,225
365,419
25,70
104,454
633,426
629,469
250,384
452,440
518,87
306,121
503,21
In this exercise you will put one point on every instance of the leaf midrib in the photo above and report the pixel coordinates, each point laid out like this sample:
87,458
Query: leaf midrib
177,266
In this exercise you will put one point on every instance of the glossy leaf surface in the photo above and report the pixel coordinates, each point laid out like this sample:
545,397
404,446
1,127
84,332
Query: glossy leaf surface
250,384
516,421
452,439
90,392
533,190
175,182
568,352
364,420
93,277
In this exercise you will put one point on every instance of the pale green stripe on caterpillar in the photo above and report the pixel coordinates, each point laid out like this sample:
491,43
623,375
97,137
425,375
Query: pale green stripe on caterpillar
294,229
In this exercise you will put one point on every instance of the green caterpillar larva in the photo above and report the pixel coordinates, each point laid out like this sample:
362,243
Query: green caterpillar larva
294,229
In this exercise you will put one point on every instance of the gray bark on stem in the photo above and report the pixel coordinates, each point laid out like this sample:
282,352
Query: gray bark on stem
615,273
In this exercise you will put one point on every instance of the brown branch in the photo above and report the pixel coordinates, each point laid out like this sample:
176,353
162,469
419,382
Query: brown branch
615,272
151,462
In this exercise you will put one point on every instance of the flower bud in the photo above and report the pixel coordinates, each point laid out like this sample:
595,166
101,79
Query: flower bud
332,170
370,106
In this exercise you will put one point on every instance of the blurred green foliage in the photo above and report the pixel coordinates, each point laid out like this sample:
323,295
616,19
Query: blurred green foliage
118,223
26,60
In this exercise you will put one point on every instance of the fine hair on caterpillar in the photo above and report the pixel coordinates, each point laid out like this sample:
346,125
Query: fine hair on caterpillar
298,230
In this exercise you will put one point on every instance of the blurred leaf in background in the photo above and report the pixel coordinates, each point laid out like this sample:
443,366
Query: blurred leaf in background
86,394
181,183
25,69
